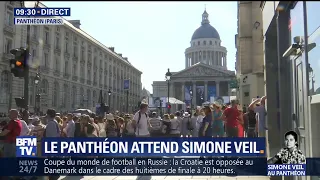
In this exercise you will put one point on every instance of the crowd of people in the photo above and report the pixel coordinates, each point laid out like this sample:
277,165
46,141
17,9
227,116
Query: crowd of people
209,121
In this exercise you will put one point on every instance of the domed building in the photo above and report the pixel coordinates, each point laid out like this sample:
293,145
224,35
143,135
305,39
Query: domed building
205,77
205,46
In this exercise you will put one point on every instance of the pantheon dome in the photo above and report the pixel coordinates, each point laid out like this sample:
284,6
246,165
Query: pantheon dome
205,46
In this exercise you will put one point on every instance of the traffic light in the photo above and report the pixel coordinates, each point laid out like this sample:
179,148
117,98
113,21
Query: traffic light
20,102
169,106
19,63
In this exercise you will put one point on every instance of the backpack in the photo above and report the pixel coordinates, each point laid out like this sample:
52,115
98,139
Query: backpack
135,128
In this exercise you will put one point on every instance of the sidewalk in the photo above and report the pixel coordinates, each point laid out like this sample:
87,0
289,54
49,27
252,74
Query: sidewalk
163,178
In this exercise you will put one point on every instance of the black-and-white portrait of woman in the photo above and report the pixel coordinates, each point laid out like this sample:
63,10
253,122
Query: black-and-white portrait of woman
290,154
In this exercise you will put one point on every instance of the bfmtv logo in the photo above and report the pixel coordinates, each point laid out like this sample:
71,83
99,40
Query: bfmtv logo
26,146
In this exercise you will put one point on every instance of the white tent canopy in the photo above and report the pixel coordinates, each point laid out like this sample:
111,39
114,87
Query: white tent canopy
173,100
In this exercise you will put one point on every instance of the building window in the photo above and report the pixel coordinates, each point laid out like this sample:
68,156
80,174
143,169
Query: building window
65,97
89,97
4,86
66,64
8,45
82,70
9,16
47,36
81,96
312,14
56,64
89,74
75,51
74,96
198,43
46,60
74,69
100,78
94,97
313,26
57,42
55,94
210,42
94,75
82,52
66,46
44,87
204,42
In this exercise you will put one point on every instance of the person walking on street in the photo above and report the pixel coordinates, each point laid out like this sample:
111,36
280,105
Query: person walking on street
217,124
10,132
231,115
155,122
195,124
52,128
174,126
206,128
70,127
258,106
185,125
141,121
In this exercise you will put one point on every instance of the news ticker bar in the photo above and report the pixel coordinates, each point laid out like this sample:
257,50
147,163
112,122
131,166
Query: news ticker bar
156,166
42,11
133,166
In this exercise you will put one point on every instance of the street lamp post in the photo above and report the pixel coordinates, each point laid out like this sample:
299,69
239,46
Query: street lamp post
37,97
109,99
168,76
191,96
82,101
28,4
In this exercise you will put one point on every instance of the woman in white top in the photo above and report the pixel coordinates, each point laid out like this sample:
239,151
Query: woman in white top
174,126
199,120
102,127
186,121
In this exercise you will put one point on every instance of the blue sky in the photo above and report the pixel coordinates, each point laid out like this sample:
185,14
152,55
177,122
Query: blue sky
153,35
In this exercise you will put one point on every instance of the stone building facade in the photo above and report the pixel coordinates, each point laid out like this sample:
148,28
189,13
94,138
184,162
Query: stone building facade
205,74
250,55
73,67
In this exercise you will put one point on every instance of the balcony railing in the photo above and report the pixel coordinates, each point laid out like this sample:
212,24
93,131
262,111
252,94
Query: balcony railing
75,78
66,75
82,80
66,54
56,73
57,50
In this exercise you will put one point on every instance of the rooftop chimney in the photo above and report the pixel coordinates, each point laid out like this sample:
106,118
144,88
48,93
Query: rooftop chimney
125,58
111,48
120,54
75,23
